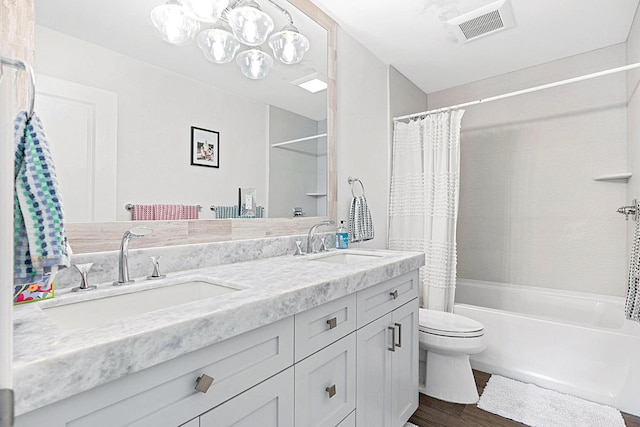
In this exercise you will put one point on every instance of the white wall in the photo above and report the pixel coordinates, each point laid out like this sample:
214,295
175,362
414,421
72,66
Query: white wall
530,211
293,168
633,116
363,132
404,96
156,109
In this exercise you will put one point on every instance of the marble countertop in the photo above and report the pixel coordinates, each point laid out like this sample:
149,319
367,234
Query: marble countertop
51,364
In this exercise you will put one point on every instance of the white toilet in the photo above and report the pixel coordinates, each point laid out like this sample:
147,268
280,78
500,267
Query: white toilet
446,341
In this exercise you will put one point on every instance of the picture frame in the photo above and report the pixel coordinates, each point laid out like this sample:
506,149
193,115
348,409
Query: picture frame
205,147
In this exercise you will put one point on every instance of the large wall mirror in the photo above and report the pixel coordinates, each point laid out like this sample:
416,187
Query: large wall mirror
119,105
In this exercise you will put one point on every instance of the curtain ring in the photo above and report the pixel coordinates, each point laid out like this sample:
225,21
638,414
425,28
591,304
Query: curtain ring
352,181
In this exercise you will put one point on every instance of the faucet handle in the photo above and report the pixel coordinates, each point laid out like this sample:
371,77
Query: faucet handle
83,269
323,244
155,260
298,248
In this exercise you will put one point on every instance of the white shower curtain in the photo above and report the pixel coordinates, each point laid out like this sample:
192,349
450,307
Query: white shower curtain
423,207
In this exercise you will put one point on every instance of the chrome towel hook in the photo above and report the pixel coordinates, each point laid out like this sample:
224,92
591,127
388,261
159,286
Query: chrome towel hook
630,210
352,181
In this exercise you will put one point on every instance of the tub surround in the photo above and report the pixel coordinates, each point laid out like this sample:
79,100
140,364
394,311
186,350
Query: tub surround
51,364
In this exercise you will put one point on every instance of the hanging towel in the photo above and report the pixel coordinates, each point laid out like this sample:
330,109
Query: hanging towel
632,306
360,223
40,242
163,212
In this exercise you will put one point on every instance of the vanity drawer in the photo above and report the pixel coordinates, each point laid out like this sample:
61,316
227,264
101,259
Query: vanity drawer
385,297
269,404
165,395
325,385
320,326
350,421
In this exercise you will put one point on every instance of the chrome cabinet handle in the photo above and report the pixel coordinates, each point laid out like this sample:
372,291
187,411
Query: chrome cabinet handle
333,322
394,294
393,338
203,383
399,344
331,390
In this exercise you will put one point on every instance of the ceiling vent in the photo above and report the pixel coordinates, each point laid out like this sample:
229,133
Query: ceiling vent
481,22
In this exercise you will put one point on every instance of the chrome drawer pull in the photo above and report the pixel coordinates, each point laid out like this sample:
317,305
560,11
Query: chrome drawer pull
333,322
331,390
394,294
399,335
393,338
203,383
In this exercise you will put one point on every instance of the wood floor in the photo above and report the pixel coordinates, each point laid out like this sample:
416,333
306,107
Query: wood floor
436,413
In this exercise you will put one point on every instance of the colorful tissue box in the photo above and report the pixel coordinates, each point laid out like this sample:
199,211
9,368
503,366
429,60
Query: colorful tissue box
34,291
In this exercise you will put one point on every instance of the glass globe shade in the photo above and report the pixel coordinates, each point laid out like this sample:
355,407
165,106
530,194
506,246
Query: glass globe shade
249,24
254,63
218,45
288,45
172,23
205,10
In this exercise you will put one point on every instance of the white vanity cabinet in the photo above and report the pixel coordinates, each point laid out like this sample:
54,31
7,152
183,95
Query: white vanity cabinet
165,394
351,361
387,362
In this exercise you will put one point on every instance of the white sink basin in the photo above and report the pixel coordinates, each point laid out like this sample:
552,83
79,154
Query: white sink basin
90,312
346,258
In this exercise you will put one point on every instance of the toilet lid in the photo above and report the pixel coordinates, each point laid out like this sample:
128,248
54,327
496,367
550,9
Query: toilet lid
449,324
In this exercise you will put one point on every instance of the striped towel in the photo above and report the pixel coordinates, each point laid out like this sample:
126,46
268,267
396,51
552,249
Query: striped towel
40,242
360,223
223,212
632,304
163,212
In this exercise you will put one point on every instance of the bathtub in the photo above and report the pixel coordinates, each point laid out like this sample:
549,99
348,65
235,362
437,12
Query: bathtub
575,343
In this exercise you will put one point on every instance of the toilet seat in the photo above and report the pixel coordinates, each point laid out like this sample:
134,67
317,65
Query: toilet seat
448,324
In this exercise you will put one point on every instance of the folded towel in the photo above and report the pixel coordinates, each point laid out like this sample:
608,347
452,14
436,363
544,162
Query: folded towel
40,242
223,212
360,223
163,212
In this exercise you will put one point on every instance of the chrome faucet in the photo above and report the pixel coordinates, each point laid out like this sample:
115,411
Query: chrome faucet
123,258
312,231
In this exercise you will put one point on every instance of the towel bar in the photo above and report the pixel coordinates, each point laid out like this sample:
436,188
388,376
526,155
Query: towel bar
129,206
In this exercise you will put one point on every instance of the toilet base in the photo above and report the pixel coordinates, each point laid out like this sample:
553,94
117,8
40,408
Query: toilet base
449,378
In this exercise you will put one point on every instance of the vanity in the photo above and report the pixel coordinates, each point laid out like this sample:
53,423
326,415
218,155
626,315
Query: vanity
317,340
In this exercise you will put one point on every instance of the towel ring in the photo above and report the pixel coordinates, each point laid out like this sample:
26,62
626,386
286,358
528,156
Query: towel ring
31,79
353,181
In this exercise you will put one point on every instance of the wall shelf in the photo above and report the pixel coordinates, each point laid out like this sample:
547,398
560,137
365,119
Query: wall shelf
622,176
293,141
316,194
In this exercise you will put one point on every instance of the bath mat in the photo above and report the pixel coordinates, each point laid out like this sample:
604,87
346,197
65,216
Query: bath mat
538,407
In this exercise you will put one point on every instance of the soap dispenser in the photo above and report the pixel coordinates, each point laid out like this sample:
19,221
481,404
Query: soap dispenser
342,237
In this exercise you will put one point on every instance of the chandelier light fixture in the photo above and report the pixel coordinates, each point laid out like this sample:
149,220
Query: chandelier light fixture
231,25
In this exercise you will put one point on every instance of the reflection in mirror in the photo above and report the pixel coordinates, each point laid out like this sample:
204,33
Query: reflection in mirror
119,106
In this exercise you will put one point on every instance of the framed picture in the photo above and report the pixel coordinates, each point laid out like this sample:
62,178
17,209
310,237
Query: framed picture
205,147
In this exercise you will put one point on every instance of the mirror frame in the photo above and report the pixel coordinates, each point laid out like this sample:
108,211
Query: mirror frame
106,236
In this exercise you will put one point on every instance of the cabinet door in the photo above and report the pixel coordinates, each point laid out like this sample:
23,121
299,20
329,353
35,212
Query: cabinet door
404,364
326,385
373,407
269,404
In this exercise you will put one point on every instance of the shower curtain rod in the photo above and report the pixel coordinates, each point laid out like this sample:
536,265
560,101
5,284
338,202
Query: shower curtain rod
522,92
